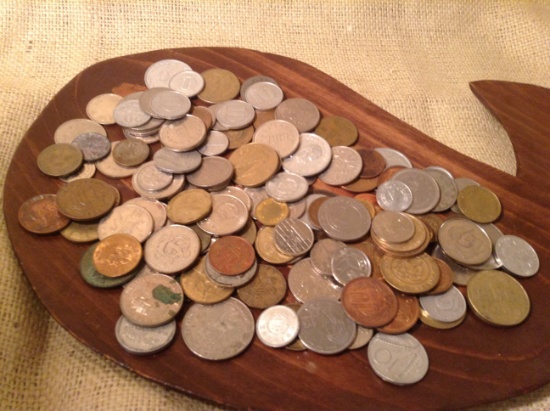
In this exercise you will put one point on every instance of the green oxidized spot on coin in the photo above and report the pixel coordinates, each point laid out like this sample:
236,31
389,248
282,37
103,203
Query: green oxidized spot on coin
166,295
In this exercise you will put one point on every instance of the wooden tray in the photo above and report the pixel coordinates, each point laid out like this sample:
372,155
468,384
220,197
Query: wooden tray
472,364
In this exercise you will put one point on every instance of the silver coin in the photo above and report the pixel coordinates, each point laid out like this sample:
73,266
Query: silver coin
149,177
279,134
449,306
128,219
175,162
190,83
170,104
312,157
494,234
216,144
148,138
362,338
277,326
264,95
399,359
321,255
185,134
213,172
293,237
232,281
307,285
517,256
161,72
144,340
344,218
174,187
424,189
70,129
286,187
128,113
394,196
324,327
146,98
461,274
218,331
447,188
393,226
349,263
156,208
239,193
228,216
394,158
253,80
345,167
235,114
94,146
464,241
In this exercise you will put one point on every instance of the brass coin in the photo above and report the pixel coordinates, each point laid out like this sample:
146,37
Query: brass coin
479,204
117,255
369,201
446,277
266,248
270,212
130,153
338,131
408,311
201,289
40,215
416,245
80,233
267,288
498,298
86,199
249,231
373,162
313,210
189,206
254,164
231,255
414,275
362,185
240,137
220,85
60,160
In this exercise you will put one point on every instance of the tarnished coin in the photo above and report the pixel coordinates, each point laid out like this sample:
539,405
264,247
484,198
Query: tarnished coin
344,218
464,241
279,134
271,212
398,359
80,233
338,131
345,166
254,164
517,256
307,285
446,277
213,174
161,72
394,196
408,311
189,206
129,219
312,157
85,199
204,114
151,300
101,108
498,298
218,331
449,306
479,204
266,249
144,340
235,114
117,255
40,215
220,85
172,249
89,273
286,187
228,216
86,171
263,95
201,289
130,153
67,131
447,188
293,237
239,138
414,275
94,146
277,326
60,160
110,168
231,255
348,263
267,288
393,227
156,208
185,134
175,162
369,302
373,162
324,327
300,112
188,82
424,188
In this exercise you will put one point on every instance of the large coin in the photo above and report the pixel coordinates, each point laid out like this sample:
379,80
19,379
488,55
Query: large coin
85,199
39,215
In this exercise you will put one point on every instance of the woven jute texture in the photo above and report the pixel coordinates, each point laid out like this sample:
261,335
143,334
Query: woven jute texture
415,60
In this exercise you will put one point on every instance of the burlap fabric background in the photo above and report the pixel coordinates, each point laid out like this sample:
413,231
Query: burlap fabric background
414,60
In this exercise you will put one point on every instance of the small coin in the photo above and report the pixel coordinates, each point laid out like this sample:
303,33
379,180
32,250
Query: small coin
110,168
287,187
130,153
60,160
235,281
189,206
321,255
149,178
464,241
231,255
408,312
293,237
267,288
161,72
220,85
498,298
517,256
254,164
270,212
312,157
277,326
188,82
394,196
85,199
338,131
117,255
144,340
235,114
151,300
40,215
201,289
415,275
349,263
479,204
172,249
101,108
263,95
228,216
301,112
96,279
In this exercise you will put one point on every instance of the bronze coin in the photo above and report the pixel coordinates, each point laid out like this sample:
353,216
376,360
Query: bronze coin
130,153
388,174
373,162
362,185
204,114
60,160
408,311
86,199
117,255
231,255
313,210
338,131
40,215
446,276
240,137
369,302
267,288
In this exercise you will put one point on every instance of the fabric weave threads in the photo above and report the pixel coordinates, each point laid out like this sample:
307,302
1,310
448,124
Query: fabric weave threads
413,59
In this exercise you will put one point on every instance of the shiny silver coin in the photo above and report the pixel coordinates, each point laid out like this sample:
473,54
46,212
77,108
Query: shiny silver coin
293,237
517,256
277,326
349,263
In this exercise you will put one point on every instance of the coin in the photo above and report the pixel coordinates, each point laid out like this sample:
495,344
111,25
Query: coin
263,95
254,164
277,326
286,187
144,340
129,219
267,288
60,160
445,277
293,237
449,306
228,216
149,178
185,134
369,302
161,72
424,188
498,298
348,263
393,227
394,195
415,275
338,131
231,255
40,215
110,168
151,300
220,85
479,204
86,171
128,112
188,82
517,256
408,311
300,112
464,241
117,255
321,255
312,157
80,233
238,138
271,212
266,249
199,288
279,134
156,208
344,218
447,188
216,144
175,162
373,162
313,210
67,131
130,153
204,114
235,281
253,80
189,206
101,108
85,199
362,185
440,325
95,278
394,158
307,285
171,249
345,167
235,114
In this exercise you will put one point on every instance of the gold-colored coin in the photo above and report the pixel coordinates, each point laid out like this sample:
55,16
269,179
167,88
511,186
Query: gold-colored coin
254,164
362,185
80,233
117,255
432,222
219,85
239,137
201,289
270,212
464,241
338,131
297,345
86,199
440,325
415,275
189,206
498,298
415,246
479,204
263,116
204,114
60,160
130,152
446,276
266,248
267,288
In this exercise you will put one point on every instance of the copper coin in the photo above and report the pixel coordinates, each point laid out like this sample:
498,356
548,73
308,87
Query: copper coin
313,210
388,174
369,302
446,276
373,162
39,215
117,255
408,311
231,255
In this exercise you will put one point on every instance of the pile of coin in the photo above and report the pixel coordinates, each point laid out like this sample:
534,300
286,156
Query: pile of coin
239,187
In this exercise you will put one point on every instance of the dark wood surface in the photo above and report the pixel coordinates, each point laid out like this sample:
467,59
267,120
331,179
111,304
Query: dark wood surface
472,364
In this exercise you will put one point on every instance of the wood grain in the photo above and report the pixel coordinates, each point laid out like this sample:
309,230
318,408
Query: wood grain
470,365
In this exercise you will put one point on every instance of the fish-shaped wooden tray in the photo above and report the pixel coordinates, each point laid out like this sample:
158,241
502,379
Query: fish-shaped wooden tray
469,365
